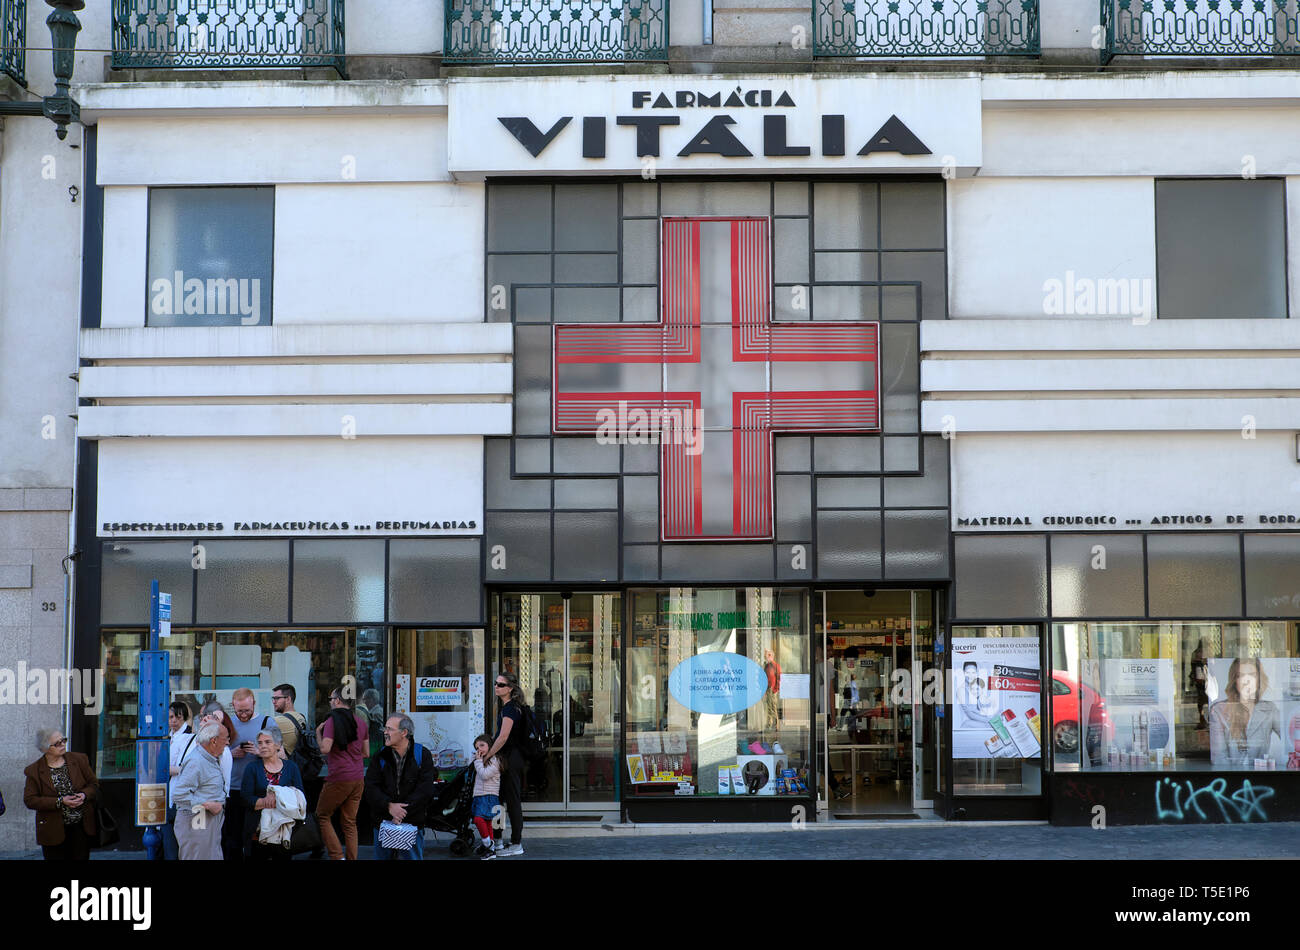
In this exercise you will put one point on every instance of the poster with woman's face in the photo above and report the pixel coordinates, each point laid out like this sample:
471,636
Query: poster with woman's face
1254,712
997,698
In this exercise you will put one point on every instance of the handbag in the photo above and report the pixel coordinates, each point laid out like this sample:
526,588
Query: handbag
305,836
397,837
105,827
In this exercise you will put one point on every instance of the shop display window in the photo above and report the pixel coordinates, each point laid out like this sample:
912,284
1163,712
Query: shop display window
1183,696
718,697
119,719
440,684
210,663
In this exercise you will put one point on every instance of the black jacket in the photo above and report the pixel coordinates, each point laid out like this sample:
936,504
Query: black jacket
417,787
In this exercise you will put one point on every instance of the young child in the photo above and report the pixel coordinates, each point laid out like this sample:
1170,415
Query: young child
487,789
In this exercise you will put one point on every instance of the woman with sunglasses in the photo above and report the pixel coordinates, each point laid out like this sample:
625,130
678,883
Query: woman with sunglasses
508,741
61,789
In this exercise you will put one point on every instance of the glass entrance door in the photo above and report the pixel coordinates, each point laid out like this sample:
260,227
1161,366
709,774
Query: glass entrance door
868,714
927,700
565,652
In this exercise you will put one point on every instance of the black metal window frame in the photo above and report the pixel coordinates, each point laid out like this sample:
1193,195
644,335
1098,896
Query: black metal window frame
781,549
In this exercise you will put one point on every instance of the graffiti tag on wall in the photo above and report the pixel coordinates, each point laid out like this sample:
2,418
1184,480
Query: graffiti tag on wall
1185,802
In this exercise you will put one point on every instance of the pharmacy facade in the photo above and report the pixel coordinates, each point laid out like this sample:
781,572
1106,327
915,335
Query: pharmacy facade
831,442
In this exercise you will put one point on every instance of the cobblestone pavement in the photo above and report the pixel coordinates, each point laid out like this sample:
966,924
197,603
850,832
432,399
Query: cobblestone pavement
941,842
931,840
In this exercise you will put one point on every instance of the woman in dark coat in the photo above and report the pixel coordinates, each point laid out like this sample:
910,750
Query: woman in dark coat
258,791
62,790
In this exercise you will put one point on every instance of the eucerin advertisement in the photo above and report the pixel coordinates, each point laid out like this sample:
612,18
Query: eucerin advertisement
1253,713
1140,709
997,698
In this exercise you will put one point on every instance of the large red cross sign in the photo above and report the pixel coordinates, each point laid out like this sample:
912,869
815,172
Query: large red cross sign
715,379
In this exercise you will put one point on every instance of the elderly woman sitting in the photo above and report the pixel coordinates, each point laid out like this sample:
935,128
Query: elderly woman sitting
62,790
261,779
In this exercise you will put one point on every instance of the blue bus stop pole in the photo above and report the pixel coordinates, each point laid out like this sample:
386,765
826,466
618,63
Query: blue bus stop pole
152,766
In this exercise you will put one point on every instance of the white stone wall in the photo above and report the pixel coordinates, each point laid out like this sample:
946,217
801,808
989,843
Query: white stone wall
40,274
758,22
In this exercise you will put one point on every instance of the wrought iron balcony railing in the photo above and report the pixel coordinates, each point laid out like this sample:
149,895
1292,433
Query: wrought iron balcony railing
1201,27
225,34
13,39
555,31
913,28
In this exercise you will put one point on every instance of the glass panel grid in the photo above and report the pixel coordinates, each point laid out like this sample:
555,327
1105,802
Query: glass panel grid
1176,696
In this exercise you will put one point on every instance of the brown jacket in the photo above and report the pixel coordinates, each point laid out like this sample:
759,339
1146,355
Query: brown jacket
40,796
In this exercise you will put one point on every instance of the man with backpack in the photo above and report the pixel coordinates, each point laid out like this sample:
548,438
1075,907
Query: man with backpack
344,738
399,786
300,746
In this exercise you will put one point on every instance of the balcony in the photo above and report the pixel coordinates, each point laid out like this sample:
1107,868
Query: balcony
1201,27
13,39
227,34
925,28
555,31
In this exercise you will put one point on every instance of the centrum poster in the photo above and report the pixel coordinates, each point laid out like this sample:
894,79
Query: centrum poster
997,698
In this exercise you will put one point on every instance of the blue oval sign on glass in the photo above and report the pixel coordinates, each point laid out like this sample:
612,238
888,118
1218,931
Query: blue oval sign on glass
717,683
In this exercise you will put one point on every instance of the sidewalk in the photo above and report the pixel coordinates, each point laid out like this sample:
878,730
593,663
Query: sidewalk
925,840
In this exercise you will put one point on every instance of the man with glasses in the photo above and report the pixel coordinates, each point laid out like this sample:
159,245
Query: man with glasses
200,796
286,717
236,837
400,785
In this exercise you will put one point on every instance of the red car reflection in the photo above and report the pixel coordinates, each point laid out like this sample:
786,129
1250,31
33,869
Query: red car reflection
1066,695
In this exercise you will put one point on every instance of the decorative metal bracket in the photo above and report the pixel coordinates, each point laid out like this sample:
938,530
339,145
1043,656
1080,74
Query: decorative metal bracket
60,108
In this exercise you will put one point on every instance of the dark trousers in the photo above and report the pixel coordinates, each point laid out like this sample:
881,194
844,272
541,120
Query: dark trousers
512,793
232,832
75,847
171,850
268,852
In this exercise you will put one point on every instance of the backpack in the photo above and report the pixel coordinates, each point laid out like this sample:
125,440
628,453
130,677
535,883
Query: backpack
306,754
534,742
419,756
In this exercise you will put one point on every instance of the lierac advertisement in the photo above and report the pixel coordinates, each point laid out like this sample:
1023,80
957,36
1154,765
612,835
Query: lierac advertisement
997,698
1140,706
1253,714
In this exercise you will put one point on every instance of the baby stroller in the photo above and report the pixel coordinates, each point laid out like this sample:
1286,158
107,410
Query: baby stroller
450,811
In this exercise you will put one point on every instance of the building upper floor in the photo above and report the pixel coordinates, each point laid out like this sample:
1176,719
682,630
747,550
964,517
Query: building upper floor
298,245
226,39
